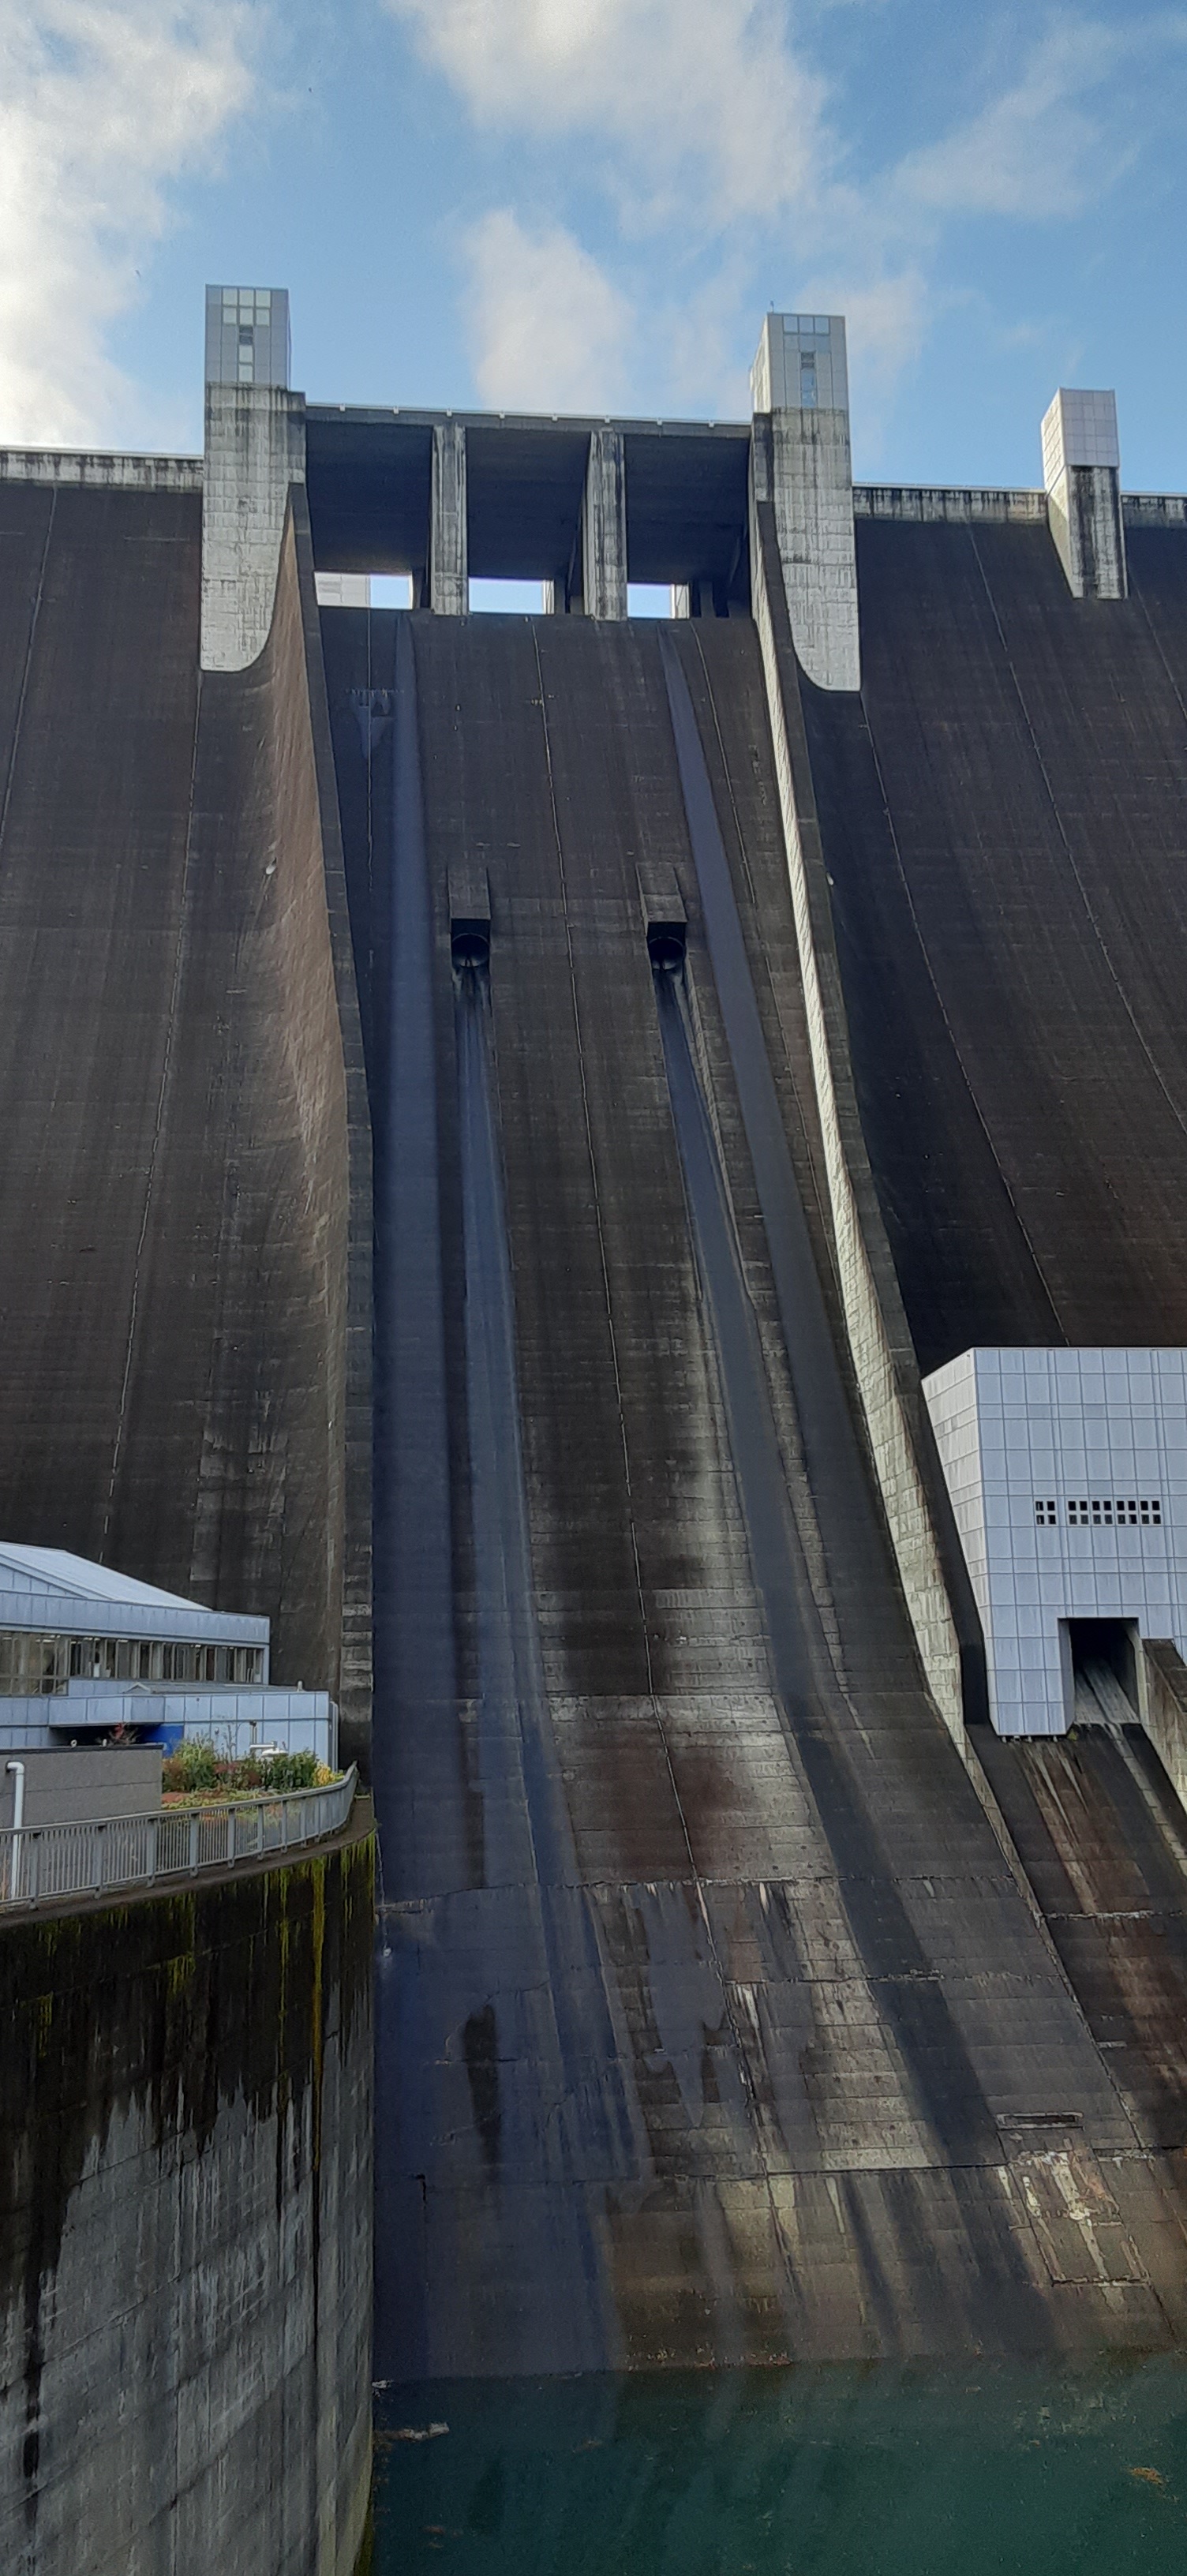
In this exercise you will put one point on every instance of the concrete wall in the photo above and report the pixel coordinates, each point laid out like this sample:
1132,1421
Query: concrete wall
182,1243
185,2168
93,470
66,1788
1002,817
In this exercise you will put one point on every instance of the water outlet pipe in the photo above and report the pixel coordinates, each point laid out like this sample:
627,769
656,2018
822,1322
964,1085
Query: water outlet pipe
469,916
18,1794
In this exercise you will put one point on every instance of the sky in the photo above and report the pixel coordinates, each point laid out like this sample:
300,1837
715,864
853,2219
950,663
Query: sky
588,205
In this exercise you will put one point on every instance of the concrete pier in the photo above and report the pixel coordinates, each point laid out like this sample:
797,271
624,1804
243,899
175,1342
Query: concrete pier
1082,475
449,580
800,377
255,451
603,527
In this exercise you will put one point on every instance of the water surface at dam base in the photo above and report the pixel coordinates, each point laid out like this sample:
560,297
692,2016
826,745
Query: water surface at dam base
988,2470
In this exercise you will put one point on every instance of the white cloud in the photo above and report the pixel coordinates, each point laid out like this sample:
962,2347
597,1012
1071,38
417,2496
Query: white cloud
102,104
707,87
549,330
709,120
886,321
1029,152
1040,150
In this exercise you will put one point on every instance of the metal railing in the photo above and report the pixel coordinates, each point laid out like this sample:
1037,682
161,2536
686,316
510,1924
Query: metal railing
41,1863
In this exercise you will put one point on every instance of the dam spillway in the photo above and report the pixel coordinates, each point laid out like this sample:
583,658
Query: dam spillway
533,1322
826,2050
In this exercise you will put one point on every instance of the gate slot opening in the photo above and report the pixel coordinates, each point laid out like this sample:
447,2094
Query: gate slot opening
469,916
664,917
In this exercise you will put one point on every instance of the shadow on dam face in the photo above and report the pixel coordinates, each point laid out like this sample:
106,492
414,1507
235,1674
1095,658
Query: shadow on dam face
711,2019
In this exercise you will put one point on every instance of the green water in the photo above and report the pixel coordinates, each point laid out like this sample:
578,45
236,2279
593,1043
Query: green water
980,2472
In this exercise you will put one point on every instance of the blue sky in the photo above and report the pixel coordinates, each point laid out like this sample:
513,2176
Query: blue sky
588,204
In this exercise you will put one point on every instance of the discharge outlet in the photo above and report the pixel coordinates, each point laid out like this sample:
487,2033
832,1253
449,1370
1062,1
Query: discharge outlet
664,917
469,916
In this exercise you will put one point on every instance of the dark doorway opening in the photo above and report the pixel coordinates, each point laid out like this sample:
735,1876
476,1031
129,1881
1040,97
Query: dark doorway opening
1104,1671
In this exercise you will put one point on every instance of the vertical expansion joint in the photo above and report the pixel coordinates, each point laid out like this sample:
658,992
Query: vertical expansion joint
800,381
449,568
603,526
1082,478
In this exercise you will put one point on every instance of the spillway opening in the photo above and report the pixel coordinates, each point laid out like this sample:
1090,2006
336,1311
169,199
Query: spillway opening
665,947
470,946
469,916
1101,1671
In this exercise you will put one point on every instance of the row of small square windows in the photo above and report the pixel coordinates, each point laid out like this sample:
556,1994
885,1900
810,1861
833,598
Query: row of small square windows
1101,1512
244,305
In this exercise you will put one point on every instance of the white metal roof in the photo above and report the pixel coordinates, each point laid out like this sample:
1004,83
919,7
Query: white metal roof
43,1586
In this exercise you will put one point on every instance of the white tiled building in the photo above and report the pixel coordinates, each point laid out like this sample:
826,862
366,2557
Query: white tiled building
84,1649
1068,1475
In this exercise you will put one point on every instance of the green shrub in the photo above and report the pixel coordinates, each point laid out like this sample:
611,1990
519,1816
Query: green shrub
194,1765
198,1769
290,1771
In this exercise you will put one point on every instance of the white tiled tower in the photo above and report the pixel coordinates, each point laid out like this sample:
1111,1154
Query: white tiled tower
255,450
800,376
1082,477
247,335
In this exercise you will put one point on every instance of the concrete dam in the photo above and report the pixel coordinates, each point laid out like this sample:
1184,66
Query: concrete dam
509,1120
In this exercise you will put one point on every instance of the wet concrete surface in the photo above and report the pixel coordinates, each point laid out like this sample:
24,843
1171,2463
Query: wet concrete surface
767,2056
1101,1834
174,1180
1002,814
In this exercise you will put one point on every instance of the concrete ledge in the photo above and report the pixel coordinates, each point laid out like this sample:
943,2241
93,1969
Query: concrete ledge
1164,1713
358,1830
922,501
92,470
1154,509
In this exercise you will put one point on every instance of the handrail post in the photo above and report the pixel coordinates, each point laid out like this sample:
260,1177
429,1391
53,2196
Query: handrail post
230,1833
